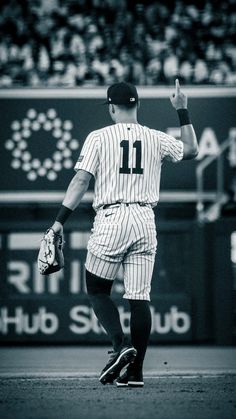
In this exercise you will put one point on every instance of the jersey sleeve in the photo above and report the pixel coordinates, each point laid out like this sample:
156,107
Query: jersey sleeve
89,158
170,148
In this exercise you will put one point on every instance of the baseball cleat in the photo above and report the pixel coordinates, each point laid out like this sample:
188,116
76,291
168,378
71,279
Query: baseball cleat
116,363
130,378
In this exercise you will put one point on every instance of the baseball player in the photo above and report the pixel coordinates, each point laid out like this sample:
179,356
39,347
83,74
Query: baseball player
125,159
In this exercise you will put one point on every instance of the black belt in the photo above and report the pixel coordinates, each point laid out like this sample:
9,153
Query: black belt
142,204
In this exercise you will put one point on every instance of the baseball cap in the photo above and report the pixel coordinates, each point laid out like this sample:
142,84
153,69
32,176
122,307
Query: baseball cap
121,94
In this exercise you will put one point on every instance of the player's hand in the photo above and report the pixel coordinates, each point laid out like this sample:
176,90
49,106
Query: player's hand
57,228
178,99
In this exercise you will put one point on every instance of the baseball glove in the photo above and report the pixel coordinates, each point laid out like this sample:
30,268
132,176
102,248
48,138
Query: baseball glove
50,257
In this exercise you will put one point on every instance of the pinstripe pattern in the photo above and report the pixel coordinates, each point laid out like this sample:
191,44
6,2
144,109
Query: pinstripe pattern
128,236
102,156
125,160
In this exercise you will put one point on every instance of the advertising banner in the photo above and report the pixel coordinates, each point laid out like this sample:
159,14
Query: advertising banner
72,320
55,308
42,133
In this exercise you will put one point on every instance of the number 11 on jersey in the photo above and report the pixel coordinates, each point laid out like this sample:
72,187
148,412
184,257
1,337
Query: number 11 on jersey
137,145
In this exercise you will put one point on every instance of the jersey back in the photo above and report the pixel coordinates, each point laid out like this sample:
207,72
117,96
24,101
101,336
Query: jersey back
125,160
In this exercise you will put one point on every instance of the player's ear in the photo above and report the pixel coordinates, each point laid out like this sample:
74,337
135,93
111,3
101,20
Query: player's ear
138,104
111,109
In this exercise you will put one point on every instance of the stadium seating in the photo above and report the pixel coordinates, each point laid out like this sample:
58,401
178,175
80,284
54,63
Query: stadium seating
98,42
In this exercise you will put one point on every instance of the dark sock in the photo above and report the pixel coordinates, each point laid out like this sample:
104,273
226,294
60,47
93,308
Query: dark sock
99,290
140,328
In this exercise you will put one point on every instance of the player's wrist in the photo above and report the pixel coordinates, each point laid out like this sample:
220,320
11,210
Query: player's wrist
184,117
57,227
62,215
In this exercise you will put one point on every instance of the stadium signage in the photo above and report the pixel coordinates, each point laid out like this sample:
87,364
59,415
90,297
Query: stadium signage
43,134
82,321
209,144
24,278
23,323
173,320
57,308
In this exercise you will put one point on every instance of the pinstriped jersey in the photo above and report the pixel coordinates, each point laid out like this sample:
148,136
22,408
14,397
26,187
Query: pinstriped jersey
125,160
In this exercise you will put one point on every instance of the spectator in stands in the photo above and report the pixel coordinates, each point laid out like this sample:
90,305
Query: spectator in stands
96,42
170,66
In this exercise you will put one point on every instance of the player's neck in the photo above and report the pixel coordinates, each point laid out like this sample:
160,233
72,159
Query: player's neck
126,119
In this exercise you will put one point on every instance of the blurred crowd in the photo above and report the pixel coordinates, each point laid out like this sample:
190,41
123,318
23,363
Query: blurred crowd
98,42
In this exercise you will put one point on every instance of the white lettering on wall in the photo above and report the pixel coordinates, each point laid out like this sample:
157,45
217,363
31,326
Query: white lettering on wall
84,321
208,144
19,276
24,323
26,279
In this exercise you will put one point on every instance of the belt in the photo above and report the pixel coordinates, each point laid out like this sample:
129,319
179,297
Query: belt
142,204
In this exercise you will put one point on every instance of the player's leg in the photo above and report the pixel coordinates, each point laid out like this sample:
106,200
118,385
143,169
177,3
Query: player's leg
138,271
140,327
99,276
102,268
141,268
103,260
99,290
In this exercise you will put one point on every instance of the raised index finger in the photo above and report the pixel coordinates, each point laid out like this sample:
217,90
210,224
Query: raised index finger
177,87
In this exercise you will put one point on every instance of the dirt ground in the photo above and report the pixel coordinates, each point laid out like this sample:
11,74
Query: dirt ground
181,382
85,398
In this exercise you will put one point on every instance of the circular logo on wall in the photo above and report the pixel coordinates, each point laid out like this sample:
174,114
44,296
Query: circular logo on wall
23,130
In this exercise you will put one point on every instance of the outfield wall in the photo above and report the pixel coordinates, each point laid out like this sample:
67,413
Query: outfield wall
191,298
41,133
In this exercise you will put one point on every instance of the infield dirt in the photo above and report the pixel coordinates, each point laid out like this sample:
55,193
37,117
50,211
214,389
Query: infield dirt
198,397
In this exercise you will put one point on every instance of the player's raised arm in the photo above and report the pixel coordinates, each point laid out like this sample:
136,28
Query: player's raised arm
188,137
